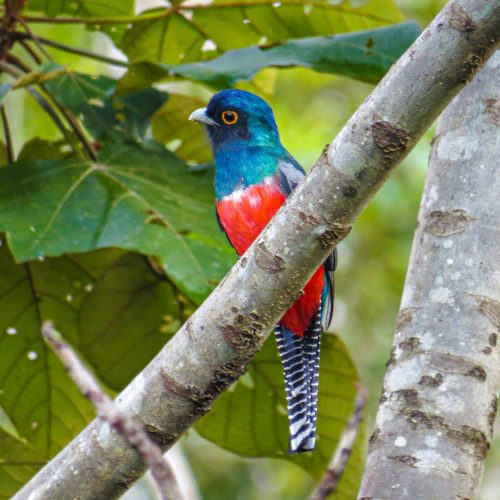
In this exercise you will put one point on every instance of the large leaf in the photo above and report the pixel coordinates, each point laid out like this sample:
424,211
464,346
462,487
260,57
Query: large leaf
107,117
41,149
250,418
135,198
174,36
365,55
106,303
43,406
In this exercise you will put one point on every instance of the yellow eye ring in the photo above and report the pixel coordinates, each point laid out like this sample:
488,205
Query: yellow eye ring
229,117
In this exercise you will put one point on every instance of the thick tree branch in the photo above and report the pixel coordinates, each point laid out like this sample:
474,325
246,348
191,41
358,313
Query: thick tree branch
439,402
214,346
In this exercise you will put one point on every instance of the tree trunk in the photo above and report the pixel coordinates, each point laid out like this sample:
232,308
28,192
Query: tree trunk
212,349
435,418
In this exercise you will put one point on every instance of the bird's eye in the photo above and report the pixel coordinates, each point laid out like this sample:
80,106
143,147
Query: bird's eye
229,117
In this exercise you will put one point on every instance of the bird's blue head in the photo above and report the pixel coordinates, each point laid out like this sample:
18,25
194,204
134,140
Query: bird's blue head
235,118
245,140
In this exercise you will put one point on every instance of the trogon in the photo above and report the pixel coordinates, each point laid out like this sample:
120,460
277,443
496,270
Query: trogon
254,174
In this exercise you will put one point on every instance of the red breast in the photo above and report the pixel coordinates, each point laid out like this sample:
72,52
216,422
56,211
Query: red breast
244,214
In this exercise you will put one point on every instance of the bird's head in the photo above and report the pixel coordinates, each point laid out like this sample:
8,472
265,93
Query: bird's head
236,117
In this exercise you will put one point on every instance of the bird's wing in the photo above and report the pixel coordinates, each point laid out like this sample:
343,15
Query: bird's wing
290,174
328,297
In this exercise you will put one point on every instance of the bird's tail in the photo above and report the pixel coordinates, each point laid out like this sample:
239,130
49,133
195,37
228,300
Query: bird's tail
300,359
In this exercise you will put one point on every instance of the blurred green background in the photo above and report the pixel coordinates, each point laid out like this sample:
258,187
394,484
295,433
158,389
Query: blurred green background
310,110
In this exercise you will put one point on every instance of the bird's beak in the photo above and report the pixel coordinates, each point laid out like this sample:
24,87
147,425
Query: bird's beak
200,116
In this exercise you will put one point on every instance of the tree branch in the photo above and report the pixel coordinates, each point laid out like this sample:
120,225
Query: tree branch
212,349
435,419
344,449
131,431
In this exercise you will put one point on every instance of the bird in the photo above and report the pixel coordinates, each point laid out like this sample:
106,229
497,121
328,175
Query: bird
254,174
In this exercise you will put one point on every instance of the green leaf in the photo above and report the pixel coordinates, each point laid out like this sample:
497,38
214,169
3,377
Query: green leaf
170,123
36,395
200,30
140,76
107,117
366,55
250,418
106,304
135,198
142,308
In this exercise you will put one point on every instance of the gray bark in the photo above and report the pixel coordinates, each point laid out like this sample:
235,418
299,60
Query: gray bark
214,346
436,415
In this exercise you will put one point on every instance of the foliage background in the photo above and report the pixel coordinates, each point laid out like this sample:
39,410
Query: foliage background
372,260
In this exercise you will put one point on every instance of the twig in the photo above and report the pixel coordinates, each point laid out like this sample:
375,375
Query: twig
339,461
48,109
130,430
34,37
8,137
15,61
75,125
40,41
83,20
84,53
30,51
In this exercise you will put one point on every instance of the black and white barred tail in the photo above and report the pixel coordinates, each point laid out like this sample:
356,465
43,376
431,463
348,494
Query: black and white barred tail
300,359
